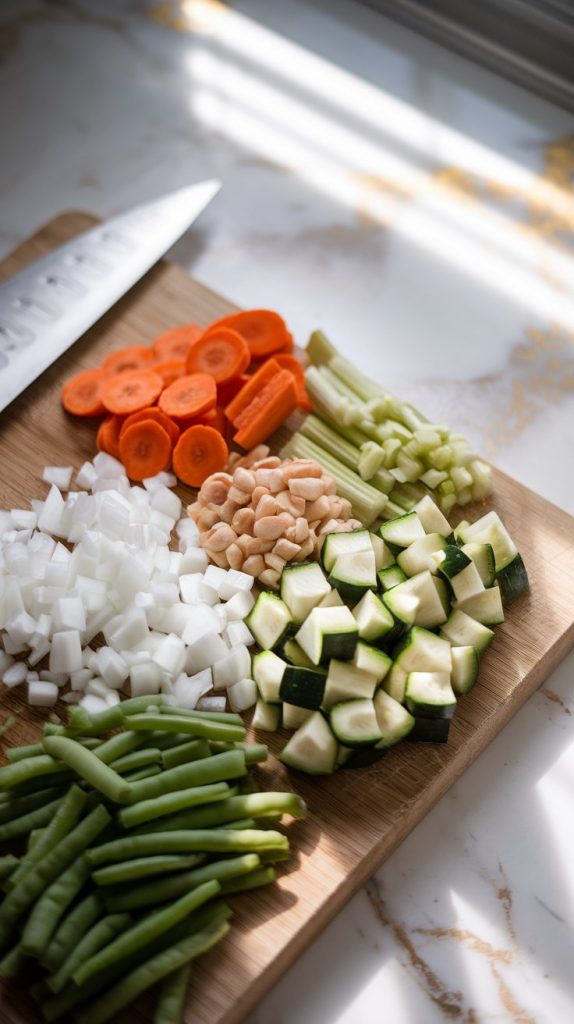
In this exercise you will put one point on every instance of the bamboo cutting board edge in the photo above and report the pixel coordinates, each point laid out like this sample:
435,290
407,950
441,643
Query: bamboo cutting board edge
151,306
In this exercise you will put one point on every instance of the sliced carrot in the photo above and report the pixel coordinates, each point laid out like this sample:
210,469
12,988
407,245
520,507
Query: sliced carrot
295,366
266,372
175,344
199,452
131,390
170,370
215,418
82,393
134,357
227,392
267,410
108,438
264,331
222,321
153,413
189,396
145,449
221,352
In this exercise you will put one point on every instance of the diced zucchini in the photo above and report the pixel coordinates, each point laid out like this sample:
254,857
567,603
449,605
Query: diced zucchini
390,577
267,671
304,687
362,757
432,597
402,531
371,659
345,682
466,583
404,611
373,618
417,557
394,721
354,723
266,716
430,695
483,557
462,631
422,651
353,573
395,683
331,600
464,669
303,585
328,633
490,529
485,607
294,716
344,755
348,543
383,554
431,516
313,748
430,730
451,561
512,579
269,620
295,654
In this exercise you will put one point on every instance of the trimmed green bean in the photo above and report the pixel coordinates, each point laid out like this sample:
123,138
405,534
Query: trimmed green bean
29,768
89,767
253,805
15,806
138,897
8,865
76,923
193,726
194,750
145,931
65,819
19,753
239,825
227,717
152,971
141,867
255,753
136,705
170,1005
54,729
56,780
136,759
143,773
149,810
34,838
65,853
274,856
218,768
163,740
264,876
248,785
81,722
119,745
99,936
190,841
51,906
13,962
7,724
27,822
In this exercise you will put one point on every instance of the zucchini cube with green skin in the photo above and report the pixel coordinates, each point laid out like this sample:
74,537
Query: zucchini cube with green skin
485,607
266,716
512,579
423,651
371,659
269,620
460,571
404,611
451,561
331,600
267,669
465,664
418,556
304,687
350,542
433,605
373,618
431,517
490,529
354,573
402,531
463,631
354,723
295,654
395,683
483,557
303,585
383,554
390,577
312,748
394,721
345,682
430,730
294,716
328,633
430,695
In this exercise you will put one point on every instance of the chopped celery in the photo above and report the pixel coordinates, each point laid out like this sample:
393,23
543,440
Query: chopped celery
319,349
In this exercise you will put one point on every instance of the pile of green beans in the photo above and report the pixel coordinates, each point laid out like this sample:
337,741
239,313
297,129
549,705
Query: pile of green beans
121,847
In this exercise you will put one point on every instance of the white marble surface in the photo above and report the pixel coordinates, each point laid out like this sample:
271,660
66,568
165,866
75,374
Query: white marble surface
422,212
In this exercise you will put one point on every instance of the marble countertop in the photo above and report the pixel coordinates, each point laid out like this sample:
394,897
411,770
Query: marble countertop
420,210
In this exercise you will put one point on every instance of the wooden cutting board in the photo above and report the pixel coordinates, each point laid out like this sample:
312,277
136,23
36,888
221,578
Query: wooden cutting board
357,818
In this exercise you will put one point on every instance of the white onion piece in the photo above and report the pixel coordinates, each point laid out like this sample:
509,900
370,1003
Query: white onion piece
60,476
41,694
239,605
232,668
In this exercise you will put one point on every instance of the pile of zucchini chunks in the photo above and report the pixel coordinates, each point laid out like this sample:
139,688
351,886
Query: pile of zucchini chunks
376,644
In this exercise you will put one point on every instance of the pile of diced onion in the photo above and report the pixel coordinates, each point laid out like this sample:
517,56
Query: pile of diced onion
97,561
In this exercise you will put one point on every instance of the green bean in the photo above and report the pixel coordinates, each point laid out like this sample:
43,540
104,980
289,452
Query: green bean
274,856
54,729
8,865
136,705
199,840
51,906
56,780
27,822
81,722
28,768
19,753
129,870
13,962
65,819
34,838
136,759
143,773
218,768
148,810
265,876
70,930
7,724
227,717
194,750
145,930
119,745
248,785
88,767
162,740
149,893
170,1005
255,805
255,753
193,726
152,971
239,825
65,853
100,935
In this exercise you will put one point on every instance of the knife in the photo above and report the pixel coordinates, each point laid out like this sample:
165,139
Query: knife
47,306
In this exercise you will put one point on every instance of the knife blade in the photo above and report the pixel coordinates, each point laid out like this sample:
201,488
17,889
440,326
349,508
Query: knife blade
47,306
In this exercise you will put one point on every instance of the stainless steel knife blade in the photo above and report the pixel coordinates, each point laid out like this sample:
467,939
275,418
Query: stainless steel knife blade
47,306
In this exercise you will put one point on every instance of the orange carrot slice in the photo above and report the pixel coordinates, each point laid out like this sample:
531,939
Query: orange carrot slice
134,357
82,393
264,331
266,372
266,411
145,449
131,390
108,437
215,418
222,352
170,370
175,344
227,392
199,452
189,396
153,413
295,366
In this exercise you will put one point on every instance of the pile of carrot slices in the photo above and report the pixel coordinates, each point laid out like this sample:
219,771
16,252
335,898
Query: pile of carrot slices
182,400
